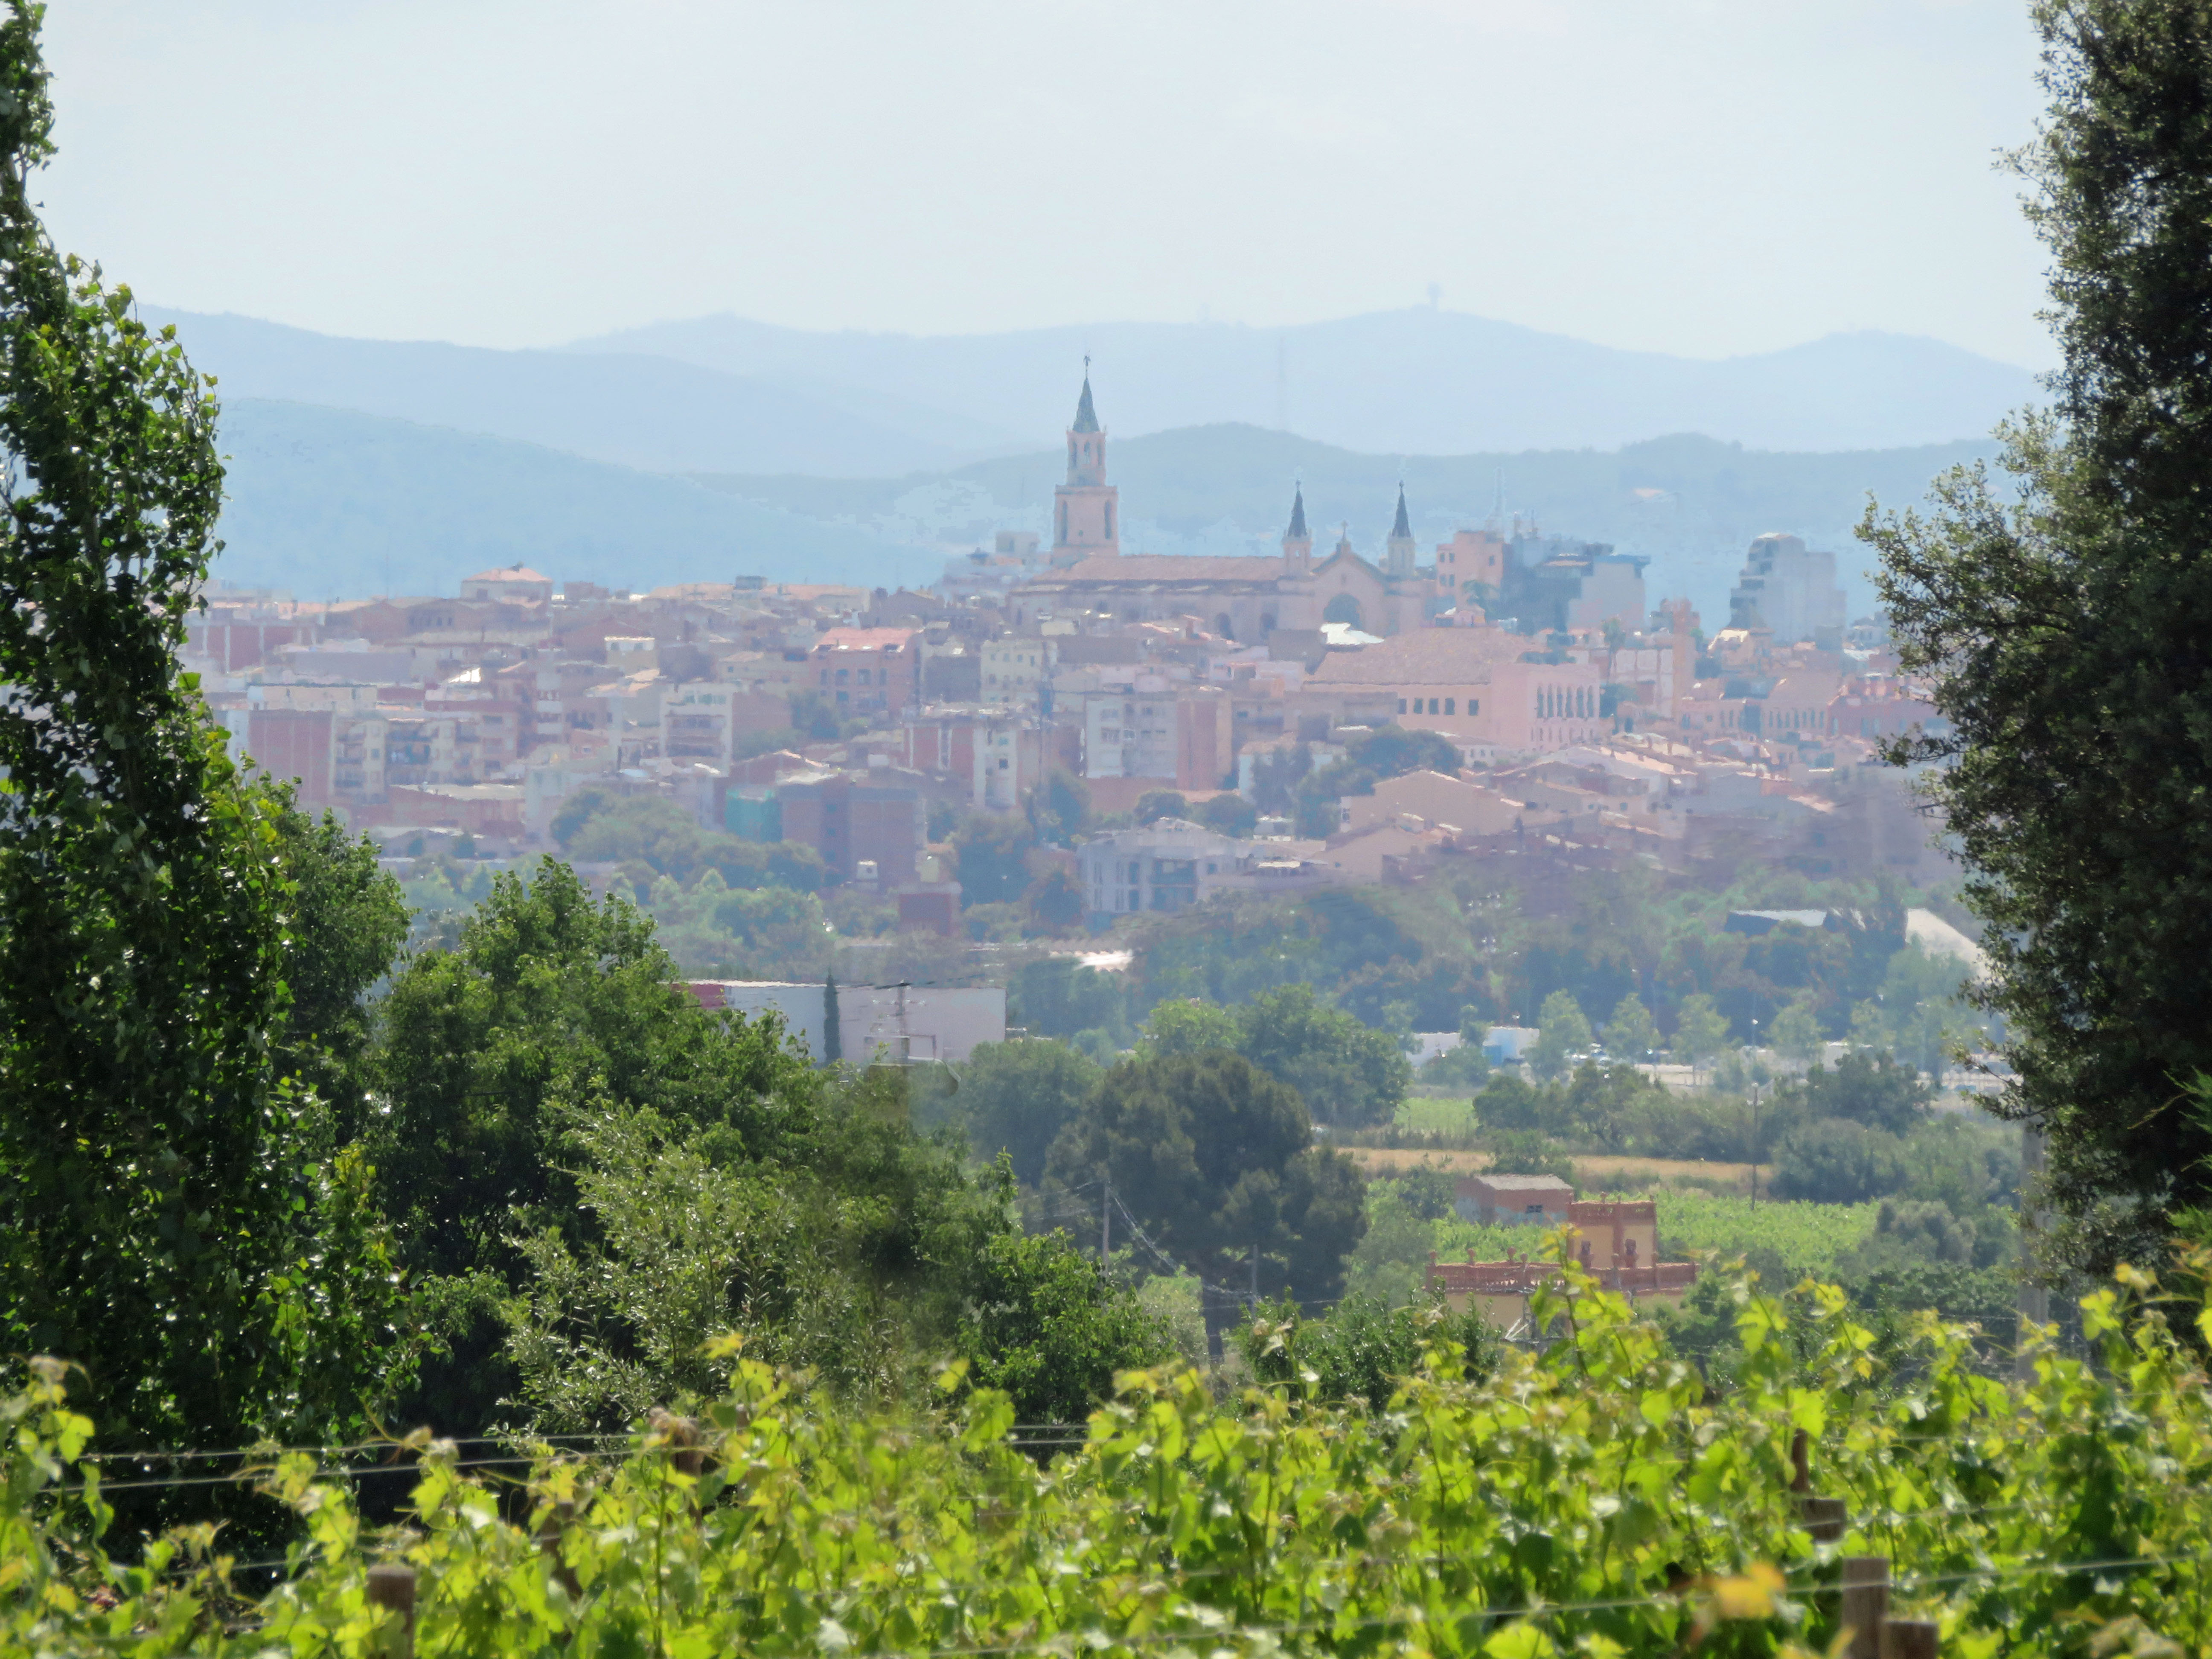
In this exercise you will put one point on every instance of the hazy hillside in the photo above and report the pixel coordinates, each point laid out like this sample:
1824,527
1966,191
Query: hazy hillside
1690,503
643,411
334,503
1415,382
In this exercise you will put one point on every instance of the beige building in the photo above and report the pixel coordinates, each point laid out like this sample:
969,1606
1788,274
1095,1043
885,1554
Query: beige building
1013,667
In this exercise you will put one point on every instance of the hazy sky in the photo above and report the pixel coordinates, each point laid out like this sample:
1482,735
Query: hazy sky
1703,178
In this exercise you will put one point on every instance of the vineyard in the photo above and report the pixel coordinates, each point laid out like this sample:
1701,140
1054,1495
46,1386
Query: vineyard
1592,1498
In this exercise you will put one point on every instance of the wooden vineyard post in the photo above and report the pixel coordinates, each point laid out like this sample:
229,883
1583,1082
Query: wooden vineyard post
1823,1517
1866,1603
1910,1639
393,1586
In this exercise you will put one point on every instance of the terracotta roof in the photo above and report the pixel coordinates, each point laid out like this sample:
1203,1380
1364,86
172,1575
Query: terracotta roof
1442,655
864,639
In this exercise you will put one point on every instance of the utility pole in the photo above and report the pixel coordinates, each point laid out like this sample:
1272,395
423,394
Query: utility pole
2034,1296
1106,1227
1754,1143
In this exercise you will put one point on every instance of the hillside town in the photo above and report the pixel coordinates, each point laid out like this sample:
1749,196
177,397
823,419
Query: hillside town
1588,718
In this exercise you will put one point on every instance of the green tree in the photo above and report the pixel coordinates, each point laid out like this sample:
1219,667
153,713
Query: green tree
991,852
1795,1033
161,1185
1161,804
1229,815
1347,1072
551,1008
1058,809
1873,1088
1561,1033
1016,1098
2060,626
1046,1325
1216,1159
1191,1027
1700,1033
1630,1034
1054,903
349,920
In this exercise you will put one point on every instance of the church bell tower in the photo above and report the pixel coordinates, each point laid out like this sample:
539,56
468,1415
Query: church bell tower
1086,510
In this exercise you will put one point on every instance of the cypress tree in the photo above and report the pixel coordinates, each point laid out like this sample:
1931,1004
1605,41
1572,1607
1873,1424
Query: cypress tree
833,1034
2066,625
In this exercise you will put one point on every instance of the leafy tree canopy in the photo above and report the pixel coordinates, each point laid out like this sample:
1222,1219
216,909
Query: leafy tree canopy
2061,622
1217,1159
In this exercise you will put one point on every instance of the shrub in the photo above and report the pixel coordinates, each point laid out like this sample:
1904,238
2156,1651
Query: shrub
1837,1161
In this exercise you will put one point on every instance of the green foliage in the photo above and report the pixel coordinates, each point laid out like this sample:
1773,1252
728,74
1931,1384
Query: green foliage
1795,1033
1160,804
1230,814
1365,1350
1216,1159
1348,1074
1058,809
1631,1034
851,1254
1838,1161
1054,903
669,841
1699,1032
2059,619
1597,1499
1798,1239
1048,1331
551,1010
162,1180
1525,1152
1562,1033
1466,1066
1870,1089
991,851
1016,1098
1059,996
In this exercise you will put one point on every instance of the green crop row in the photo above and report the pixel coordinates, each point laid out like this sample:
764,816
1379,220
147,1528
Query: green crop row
1593,1499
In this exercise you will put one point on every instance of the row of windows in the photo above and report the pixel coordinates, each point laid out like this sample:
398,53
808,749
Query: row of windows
843,673
1556,701
1449,706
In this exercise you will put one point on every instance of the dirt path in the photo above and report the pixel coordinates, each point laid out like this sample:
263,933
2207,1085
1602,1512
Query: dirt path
1592,1175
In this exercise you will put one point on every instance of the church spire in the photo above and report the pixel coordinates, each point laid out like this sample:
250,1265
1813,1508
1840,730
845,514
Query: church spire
1086,417
1297,541
1399,551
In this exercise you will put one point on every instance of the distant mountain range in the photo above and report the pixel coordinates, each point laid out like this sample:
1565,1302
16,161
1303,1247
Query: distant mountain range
696,450
1690,504
333,503
1416,382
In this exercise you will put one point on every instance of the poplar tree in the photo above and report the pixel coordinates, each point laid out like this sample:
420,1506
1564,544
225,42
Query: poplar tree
2064,617
156,1177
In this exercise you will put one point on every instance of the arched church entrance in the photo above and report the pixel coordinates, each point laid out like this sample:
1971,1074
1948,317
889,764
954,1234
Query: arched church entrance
1344,609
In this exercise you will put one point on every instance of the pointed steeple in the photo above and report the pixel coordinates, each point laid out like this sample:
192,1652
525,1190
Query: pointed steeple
1086,417
1297,541
1399,552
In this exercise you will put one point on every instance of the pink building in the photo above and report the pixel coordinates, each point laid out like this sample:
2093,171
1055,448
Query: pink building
869,671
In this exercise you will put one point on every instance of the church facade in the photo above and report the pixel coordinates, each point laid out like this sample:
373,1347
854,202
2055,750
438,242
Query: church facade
1244,598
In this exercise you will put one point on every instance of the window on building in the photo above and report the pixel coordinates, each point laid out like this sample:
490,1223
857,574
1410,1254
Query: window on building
864,676
842,675
1401,705
1448,705
1475,705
